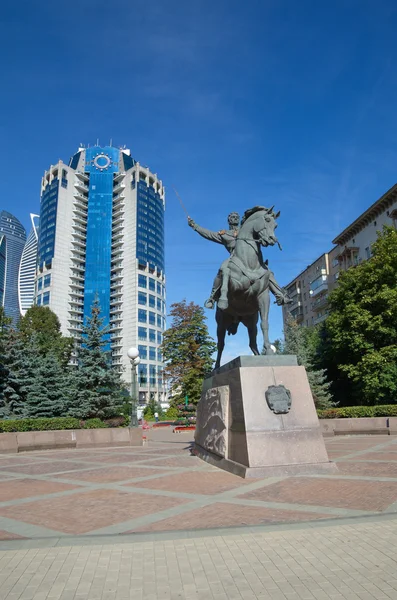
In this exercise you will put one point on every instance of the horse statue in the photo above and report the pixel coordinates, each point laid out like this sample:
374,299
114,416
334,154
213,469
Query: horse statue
245,278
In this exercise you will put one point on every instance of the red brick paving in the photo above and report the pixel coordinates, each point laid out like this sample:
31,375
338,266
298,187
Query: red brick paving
25,488
338,493
381,469
221,514
388,456
80,513
43,468
7,535
109,474
117,458
202,482
178,461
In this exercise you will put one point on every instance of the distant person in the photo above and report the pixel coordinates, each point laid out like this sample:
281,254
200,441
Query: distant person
156,416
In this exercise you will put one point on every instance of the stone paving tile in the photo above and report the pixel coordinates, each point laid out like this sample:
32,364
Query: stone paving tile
381,469
202,482
110,474
178,461
87,511
388,456
7,535
119,458
43,468
222,514
359,495
25,488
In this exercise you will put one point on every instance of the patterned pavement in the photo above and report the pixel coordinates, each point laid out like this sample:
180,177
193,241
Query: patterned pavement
160,488
189,531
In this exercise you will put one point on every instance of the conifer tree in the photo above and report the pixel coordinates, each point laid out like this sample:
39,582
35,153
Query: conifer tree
17,371
303,341
96,387
46,389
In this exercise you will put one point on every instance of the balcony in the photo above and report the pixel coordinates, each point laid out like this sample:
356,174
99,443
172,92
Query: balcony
319,319
81,187
119,187
323,287
320,302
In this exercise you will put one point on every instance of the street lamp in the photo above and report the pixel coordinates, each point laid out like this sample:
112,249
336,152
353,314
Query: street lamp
133,355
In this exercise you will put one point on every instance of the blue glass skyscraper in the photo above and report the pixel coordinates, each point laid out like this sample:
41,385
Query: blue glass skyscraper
12,242
102,234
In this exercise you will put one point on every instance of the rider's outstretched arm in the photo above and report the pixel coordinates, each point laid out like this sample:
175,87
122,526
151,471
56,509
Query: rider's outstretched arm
213,236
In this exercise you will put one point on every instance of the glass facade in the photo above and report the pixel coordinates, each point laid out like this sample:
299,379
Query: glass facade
3,244
48,217
150,227
14,238
101,163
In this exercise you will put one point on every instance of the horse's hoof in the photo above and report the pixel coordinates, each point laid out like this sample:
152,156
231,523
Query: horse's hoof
222,304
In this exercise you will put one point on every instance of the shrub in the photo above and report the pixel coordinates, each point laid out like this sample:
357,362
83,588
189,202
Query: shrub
116,422
39,424
172,413
346,412
93,424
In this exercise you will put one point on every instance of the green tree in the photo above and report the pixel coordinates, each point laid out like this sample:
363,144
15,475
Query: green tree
16,373
359,338
187,351
96,389
304,342
47,388
43,322
5,323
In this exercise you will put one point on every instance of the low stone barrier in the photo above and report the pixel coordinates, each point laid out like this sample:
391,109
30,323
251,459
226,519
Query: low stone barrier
25,441
359,426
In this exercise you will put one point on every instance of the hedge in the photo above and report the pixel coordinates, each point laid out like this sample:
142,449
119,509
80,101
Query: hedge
56,423
354,412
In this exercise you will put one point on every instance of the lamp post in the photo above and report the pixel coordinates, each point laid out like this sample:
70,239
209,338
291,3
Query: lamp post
133,355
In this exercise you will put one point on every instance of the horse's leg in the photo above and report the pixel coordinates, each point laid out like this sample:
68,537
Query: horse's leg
264,304
223,300
251,324
220,332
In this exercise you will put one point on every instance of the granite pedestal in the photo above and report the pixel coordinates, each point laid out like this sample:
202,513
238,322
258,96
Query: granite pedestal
238,431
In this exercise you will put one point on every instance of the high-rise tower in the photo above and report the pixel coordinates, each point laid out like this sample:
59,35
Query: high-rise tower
27,268
12,242
102,233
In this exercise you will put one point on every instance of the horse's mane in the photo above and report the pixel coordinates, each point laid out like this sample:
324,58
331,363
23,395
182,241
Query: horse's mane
251,211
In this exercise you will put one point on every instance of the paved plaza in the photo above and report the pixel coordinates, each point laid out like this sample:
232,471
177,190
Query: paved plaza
156,522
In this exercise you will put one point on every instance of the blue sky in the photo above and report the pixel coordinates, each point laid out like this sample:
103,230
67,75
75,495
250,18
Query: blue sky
235,104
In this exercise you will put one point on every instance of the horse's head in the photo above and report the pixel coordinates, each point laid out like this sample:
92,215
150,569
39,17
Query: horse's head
264,222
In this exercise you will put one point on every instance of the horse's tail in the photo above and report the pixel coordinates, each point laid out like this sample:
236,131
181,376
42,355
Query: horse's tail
232,329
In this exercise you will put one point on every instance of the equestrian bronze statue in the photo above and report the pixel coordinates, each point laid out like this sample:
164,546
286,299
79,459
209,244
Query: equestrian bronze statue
241,287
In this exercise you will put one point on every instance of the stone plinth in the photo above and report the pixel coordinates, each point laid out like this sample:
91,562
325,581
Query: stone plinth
238,431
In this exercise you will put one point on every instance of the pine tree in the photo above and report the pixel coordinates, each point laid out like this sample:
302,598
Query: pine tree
96,388
17,371
303,341
46,388
5,324
187,351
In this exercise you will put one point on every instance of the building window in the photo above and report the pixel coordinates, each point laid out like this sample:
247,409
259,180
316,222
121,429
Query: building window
142,281
47,280
367,252
142,315
142,298
142,351
158,321
159,337
159,290
335,262
374,223
152,372
152,353
40,284
152,318
152,335
159,355
142,333
46,298
38,300
152,285
152,301
142,373
159,305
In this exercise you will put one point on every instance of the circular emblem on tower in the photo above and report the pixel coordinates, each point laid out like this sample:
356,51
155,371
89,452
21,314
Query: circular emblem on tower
102,161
